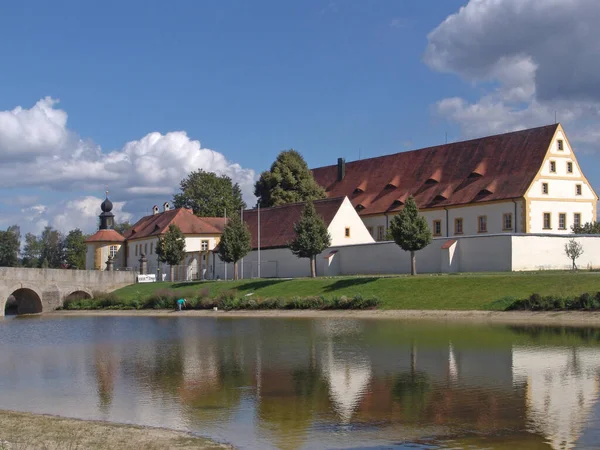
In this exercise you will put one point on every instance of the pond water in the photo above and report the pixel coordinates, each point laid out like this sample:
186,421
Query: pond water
312,383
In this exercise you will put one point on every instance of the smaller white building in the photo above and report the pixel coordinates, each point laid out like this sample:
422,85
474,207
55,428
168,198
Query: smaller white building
272,229
202,234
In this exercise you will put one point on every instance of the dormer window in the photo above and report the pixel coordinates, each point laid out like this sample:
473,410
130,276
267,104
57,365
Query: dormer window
561,145
359,207
166,206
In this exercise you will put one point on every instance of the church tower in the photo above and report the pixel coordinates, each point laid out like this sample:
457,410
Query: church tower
106,243
107,218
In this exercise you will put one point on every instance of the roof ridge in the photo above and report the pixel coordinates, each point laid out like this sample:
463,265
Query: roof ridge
321,200
443,145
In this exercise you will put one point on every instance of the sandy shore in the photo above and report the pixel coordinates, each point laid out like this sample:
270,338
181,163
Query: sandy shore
573,318
36,431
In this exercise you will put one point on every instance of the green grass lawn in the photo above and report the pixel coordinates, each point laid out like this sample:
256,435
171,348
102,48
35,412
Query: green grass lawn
457,292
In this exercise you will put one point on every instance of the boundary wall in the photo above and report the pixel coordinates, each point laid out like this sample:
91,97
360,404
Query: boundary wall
481,253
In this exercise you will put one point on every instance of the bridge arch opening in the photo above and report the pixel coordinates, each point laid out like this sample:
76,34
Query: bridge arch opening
23,301
77,295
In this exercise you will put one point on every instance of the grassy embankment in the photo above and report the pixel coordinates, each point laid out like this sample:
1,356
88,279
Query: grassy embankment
443,292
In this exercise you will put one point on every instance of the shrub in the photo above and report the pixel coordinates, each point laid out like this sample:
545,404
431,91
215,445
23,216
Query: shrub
536,302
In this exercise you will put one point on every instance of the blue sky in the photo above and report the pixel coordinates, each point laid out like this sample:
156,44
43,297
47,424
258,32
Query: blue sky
329,78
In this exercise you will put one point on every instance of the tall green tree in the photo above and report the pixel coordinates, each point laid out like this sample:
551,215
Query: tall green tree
31,251
74,249
311,238
289,181
51,251
410,231
171,248
235,243
587,228
10,245
209,194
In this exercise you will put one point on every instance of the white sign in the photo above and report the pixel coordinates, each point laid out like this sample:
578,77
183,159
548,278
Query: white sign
146,278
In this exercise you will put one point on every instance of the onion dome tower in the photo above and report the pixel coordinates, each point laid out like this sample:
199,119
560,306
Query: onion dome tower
107,218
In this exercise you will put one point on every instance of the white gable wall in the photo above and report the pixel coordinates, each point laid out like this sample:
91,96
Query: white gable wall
347,217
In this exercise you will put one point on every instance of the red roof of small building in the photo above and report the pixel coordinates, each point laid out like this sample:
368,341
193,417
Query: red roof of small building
277,223
185,219
105,236
480,170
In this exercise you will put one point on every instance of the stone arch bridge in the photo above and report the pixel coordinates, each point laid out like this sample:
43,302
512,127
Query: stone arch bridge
43,290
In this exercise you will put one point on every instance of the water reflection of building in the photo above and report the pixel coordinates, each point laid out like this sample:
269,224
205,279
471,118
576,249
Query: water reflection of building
561,389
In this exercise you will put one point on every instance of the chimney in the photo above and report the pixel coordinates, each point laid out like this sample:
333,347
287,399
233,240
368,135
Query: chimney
166,206
341,169
155,209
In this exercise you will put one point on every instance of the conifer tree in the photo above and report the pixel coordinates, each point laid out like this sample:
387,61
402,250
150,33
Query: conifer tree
235,243
171,248
311,238
410,231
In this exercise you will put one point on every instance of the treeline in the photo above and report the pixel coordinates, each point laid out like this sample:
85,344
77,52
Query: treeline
51,249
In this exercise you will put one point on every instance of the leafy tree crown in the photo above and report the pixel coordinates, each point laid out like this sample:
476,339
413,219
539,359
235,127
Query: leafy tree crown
209,194
312,236
410,230
171,247
289,181
235,241
74,249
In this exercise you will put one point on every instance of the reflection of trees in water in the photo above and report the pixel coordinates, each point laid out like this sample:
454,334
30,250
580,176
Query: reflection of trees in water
413,391
561,335
105,367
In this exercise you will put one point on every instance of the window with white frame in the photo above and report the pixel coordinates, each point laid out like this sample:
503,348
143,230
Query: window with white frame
545,189
547,221
458,225
112,251
380,233
204,246
507,222
562,221
482,224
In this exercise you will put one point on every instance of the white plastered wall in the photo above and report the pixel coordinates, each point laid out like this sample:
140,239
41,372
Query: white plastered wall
469,214
483,253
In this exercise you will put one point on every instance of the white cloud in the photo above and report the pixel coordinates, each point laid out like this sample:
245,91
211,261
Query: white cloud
82,213
531,58
27,132
38,150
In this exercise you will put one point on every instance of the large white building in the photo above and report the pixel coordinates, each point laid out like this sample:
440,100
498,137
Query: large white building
521,182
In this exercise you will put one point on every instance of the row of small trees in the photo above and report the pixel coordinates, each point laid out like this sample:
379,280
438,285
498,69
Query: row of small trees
408,229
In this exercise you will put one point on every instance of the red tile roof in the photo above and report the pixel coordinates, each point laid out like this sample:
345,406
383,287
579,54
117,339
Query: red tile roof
105,236
480,170
185,219
277,223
